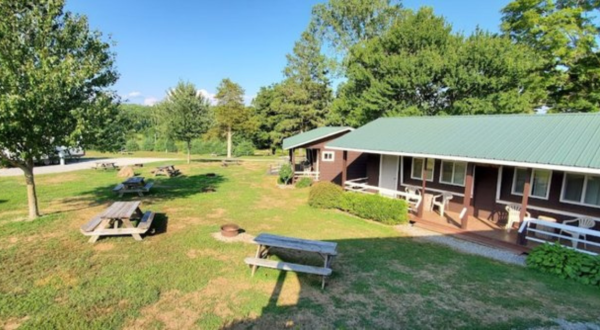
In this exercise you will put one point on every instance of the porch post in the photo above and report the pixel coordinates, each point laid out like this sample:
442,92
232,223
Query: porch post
526,189
464,221
344,166
293,163
423,184
318,153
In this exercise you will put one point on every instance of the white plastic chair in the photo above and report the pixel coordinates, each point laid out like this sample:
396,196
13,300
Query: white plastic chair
514,215
413,196
586,223
441,201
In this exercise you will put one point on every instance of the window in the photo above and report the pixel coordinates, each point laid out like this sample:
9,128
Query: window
417,168
581,189
539,182
328,156
453,173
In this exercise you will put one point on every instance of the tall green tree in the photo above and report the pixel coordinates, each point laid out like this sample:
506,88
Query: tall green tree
231,115
419,67
267,117
54,75
187,114
565,34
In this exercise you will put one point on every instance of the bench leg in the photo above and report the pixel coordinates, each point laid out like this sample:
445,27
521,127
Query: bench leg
137,237
93,239
257,256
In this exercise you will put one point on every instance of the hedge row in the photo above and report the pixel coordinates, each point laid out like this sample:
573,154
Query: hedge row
386,210
565,263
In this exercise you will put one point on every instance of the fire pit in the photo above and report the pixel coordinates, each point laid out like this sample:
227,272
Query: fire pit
230,230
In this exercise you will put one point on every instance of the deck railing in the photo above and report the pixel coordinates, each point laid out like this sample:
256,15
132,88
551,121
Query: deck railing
359,185
307,174
550,232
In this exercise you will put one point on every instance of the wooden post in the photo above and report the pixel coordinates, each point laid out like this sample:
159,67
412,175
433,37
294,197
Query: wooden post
421,209
464,221
293,163
526,190
344,167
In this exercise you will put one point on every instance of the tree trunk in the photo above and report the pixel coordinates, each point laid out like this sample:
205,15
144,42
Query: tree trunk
229,142
31,194
189,149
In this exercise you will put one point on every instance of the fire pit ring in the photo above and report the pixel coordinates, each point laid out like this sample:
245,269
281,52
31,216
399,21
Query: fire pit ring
230,230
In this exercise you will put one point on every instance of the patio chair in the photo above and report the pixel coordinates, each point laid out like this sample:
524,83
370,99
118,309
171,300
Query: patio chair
441,201
413,196
514,215
586,223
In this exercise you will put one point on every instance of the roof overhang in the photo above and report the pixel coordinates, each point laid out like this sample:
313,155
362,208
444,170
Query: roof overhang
478,160
349,129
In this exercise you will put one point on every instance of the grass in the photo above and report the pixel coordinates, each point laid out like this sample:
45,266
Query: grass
182,277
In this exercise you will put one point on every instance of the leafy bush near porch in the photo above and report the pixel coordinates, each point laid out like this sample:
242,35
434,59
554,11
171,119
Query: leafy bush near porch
325,195
386,210
285,174
565,263
304,183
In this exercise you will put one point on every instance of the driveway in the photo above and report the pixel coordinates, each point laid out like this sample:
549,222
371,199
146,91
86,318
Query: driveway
83,164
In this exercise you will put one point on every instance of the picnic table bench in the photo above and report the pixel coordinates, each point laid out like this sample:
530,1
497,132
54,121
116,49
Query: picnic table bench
105,166
116,220
168,170
327,250
230,161
135,184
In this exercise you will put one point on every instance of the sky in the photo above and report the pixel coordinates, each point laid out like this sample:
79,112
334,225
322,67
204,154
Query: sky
159,43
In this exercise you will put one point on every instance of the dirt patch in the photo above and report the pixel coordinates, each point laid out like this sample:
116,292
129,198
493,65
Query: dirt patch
207,253
243,237
217,213
57,179
13,323
102,246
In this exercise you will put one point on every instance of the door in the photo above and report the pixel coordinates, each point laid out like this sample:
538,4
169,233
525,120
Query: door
484,191
388,172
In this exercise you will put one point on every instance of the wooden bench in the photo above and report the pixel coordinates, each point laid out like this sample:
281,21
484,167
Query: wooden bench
146,221
287,266
91,225
143,226
120,189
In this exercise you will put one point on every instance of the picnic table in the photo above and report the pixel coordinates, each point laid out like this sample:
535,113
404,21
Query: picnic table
168,170
327,250
116,220
230,161
134,184
105,166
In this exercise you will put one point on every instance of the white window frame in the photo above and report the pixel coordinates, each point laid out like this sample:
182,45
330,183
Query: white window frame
326,153
451,183
514,181
412,169
581,201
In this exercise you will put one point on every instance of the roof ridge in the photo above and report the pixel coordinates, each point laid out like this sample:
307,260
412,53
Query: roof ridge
537,115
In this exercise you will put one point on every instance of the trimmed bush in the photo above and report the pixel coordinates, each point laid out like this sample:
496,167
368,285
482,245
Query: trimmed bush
245,148
148,144
304,183
386,210
285,174
565,263
325,195
132,145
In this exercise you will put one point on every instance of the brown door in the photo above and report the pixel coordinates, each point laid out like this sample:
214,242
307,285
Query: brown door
484,191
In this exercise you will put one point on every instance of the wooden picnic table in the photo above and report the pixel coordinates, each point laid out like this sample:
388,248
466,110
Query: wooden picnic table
105,165
327,250
168,170
116,220
134,184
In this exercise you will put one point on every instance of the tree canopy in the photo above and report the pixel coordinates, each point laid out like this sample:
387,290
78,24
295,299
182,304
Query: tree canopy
54,78
231,115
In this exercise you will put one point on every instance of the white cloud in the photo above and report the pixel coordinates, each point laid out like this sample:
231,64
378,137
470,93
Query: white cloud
150,101
134,94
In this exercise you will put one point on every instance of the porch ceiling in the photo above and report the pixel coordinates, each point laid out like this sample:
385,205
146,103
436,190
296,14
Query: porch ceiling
569,142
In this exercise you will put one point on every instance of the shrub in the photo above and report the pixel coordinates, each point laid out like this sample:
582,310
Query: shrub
148,144
199,147
304,183
165,145
386,210
286,174
565,263
325,195
132,145
245,148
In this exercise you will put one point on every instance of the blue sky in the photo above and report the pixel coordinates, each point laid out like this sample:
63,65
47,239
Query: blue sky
162,42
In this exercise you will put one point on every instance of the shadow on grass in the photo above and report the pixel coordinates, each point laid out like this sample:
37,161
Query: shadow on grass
160,224
3,201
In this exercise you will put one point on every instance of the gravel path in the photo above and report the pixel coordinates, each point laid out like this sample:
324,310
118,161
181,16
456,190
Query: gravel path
462,245
82,164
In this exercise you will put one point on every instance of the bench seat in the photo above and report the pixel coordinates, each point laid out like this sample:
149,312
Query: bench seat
119,187
146,221
288,266
91,225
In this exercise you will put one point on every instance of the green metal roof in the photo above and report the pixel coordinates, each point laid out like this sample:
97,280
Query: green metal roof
312,135
543,141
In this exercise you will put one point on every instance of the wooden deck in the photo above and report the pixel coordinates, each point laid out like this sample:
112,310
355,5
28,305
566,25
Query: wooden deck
481,231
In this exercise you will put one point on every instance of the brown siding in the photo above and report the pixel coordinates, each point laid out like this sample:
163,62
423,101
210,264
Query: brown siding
373,169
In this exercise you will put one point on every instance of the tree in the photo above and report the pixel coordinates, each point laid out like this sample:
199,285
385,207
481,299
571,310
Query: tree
54,75
564,33
419,67
231,114
186,112
267,117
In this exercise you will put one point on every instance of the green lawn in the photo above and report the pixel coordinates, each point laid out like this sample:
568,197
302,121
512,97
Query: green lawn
181,277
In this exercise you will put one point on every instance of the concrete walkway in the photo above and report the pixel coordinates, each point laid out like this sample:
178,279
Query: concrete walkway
83,164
